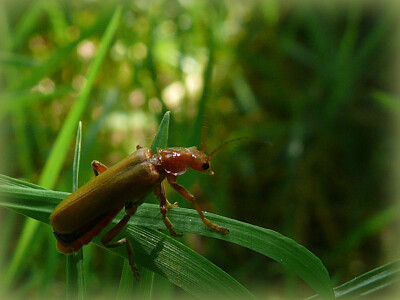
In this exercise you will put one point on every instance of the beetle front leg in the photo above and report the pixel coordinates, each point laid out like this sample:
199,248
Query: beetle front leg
160,193
188,196
130,210
169,205
98,167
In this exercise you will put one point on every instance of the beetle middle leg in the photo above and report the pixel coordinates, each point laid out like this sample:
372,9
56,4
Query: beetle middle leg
188,196
98,167
160,193
130,209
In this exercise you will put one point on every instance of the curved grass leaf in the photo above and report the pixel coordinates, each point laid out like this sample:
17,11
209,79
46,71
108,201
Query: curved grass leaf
39,204
370,282
153,249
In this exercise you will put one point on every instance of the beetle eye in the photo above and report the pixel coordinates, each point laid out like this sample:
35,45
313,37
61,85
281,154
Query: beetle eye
206,166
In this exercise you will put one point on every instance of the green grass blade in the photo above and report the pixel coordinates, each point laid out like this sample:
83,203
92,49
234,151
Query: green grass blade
285,251
6,180
75,283
153,250
59,151
77,158
370,282
161,138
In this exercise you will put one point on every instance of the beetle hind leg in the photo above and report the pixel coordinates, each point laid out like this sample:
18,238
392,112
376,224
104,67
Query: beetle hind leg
130,209
98,167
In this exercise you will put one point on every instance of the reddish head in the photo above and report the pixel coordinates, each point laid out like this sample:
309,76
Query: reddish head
176,161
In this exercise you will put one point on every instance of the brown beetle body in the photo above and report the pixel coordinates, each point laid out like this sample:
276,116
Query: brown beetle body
87,211
129,180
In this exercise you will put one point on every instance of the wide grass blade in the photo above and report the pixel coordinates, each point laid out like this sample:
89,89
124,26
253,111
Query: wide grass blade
267,242
153,249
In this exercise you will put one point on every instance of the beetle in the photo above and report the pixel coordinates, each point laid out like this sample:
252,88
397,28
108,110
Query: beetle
86,212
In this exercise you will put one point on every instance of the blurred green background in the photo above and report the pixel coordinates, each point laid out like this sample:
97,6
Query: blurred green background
314,81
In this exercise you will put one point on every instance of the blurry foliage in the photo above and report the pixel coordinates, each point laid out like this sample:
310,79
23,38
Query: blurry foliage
309,79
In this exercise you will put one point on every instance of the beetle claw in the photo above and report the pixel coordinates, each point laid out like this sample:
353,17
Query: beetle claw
176,204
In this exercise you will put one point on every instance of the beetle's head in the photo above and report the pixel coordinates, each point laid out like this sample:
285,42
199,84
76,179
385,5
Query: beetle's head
200,161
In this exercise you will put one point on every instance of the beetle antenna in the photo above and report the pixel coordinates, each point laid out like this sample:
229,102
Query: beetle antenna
203,138
225,144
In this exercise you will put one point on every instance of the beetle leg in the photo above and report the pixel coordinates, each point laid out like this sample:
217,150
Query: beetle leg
159,192
98,167
130,210
188,196
169,205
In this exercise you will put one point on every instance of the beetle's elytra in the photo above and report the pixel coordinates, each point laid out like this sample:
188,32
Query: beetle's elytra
86,212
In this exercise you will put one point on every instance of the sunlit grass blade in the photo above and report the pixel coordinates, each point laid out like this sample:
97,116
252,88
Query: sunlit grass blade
153,250
58,153
75,283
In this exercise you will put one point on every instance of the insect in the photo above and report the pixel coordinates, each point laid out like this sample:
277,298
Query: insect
86,212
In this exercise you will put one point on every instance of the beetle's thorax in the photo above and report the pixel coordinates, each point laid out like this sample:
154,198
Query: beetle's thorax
177,161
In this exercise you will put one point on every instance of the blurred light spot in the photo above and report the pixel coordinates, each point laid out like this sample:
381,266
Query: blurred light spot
185,22
136,98
194,83
173,94
86,49
137,51
46,86
118,51
155,105
168,28
78,82
190,65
